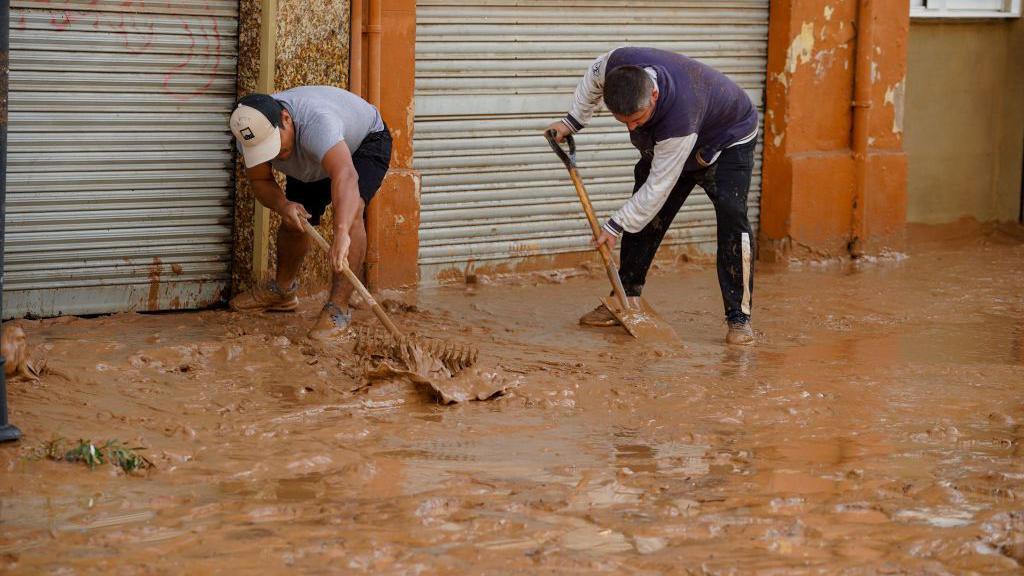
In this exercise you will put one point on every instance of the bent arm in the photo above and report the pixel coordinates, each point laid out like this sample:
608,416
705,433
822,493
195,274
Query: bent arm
266,190
588,95
337,162
669,158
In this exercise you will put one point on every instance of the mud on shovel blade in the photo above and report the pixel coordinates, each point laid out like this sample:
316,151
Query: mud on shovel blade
635,314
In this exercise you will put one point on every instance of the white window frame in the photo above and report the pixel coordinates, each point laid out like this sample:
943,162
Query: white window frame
926,9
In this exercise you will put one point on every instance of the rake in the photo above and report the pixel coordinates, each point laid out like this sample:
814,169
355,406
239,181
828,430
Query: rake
408,349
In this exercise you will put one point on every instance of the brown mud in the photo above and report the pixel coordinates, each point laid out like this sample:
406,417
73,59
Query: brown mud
877,427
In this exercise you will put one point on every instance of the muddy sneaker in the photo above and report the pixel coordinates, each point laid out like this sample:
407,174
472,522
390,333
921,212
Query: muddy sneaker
332,322
600,316
740,333
267,298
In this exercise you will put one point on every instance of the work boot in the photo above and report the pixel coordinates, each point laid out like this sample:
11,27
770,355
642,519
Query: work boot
740,333
267,298
600,316
331,323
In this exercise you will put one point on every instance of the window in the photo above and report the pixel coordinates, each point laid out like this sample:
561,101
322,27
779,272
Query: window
964,8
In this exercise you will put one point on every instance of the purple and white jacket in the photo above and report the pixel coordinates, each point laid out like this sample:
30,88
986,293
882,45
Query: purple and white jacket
699,113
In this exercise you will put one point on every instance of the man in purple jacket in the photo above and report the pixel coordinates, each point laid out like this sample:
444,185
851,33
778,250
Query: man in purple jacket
692,126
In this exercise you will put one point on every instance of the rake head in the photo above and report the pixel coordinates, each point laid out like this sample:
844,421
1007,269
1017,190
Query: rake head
372,343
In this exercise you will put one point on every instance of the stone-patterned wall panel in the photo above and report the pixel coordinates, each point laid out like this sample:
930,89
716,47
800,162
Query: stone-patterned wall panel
312,48
248,72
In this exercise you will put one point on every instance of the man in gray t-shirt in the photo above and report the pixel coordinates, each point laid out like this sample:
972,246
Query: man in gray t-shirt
334,149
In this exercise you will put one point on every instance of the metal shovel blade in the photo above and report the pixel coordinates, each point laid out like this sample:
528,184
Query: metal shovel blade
642,322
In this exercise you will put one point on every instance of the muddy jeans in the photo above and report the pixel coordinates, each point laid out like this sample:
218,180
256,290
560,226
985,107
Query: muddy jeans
726,182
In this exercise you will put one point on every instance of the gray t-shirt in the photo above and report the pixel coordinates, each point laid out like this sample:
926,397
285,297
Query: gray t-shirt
324,116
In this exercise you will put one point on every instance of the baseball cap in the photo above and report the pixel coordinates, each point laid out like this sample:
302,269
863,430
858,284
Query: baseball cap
255,124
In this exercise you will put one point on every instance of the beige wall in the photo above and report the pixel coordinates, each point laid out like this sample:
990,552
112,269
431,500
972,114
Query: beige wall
965,120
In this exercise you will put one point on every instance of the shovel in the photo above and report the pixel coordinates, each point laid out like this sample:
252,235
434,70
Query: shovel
634,313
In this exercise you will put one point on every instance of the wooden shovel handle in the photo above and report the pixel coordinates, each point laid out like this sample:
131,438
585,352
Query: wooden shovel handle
609,263
377,309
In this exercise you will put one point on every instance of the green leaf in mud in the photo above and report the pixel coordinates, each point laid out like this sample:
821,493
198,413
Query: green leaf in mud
85,452
126,458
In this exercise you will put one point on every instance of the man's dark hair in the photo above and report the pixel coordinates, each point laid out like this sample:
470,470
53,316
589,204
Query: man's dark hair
270,107
627,90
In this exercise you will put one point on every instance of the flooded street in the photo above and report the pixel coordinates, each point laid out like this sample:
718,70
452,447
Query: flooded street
877,427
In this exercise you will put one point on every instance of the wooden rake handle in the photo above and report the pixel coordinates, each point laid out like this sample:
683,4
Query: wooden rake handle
569,159
374,305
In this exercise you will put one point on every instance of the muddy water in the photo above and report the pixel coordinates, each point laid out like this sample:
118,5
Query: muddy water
877,427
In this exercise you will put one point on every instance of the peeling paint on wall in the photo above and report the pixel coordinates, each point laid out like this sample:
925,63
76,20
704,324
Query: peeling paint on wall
894,96
823,61
410,116
781,78
809,170
778,136
801,48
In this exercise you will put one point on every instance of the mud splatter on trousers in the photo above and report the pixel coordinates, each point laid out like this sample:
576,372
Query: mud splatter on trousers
727,183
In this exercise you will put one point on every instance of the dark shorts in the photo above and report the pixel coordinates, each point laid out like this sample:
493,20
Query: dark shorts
371,161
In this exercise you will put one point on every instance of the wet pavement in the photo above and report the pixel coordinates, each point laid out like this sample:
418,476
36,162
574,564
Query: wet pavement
877,427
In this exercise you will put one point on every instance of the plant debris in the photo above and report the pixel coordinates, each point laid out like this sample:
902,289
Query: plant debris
113,452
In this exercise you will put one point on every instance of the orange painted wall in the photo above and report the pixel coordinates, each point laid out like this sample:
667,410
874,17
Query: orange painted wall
393,217
885,198
809,182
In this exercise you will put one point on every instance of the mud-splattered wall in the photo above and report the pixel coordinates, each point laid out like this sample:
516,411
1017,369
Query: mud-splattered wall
810,194
965,120
312,48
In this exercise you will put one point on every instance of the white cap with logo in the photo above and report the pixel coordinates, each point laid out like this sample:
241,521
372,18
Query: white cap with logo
261,140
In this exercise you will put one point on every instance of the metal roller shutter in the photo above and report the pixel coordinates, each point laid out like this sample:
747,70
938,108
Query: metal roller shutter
120,173
491,74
